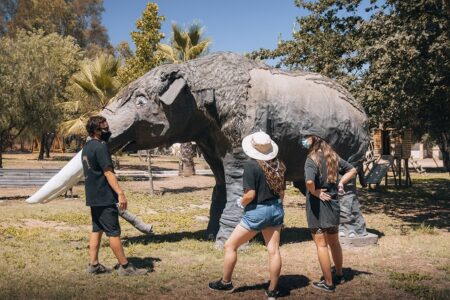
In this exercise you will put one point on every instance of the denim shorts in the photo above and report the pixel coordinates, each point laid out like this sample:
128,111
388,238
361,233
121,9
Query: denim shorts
269,214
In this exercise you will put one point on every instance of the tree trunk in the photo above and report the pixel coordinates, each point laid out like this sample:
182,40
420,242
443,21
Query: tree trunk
49,138
150,177
41,149
186,167
443,146
1,151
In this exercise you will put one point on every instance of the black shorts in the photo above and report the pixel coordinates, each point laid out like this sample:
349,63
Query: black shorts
106,218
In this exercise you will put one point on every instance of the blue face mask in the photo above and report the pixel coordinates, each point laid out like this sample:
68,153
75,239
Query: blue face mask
305,143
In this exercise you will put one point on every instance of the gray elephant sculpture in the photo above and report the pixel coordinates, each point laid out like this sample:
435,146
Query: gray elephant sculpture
218,99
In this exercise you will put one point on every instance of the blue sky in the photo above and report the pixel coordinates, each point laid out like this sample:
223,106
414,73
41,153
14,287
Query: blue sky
233,25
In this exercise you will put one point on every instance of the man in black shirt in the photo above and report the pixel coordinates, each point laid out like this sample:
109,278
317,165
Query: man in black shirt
102,195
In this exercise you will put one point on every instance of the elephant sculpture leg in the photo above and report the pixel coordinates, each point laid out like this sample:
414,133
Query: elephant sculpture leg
232,213
218,199
352,222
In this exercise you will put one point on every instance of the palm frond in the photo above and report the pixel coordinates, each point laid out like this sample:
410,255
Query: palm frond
179,38
195,32
69,106
73,127
198,50
169,53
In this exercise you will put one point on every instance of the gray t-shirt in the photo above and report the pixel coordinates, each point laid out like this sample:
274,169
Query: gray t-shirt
323,214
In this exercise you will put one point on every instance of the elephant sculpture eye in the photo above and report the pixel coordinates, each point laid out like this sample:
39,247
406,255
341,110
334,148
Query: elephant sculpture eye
141,101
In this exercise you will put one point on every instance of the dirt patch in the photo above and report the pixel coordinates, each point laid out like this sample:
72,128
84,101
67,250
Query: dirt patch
59,226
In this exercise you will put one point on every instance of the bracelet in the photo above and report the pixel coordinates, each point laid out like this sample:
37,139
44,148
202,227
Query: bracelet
239,203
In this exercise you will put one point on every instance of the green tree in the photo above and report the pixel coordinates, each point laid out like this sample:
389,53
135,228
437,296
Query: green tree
146,40
394,61
34,71
78,18
406,48
7,10
185,45
90,91
326,42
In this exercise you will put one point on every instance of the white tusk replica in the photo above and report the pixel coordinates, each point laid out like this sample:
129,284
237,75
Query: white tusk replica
66,178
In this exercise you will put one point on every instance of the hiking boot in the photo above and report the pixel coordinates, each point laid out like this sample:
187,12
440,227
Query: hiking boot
321,285
219,285
97,269
130,270
272,295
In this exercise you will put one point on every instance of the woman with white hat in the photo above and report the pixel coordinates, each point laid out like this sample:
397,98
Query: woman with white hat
263,183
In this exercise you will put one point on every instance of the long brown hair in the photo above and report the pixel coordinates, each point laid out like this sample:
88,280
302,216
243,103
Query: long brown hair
274,171
319,148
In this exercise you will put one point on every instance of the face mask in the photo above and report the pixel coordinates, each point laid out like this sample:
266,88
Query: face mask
105,136
305,143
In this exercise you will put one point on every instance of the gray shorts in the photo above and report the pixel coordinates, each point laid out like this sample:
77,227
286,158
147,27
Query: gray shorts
330,230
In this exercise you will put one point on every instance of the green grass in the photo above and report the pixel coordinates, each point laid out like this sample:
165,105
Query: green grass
413,284
47,260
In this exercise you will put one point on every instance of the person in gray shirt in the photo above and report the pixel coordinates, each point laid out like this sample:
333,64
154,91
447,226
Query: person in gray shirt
322,168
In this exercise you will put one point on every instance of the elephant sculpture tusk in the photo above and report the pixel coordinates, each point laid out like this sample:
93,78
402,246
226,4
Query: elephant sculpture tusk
66,178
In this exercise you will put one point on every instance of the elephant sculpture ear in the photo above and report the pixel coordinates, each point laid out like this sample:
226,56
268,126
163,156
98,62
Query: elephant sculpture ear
173,91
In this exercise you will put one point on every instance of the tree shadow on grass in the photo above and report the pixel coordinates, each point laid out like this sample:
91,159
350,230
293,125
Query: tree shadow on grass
185,189
144,167
286,284
427,201
172,237
144,263
289,235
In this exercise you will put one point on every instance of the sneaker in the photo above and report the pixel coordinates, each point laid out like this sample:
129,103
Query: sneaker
98,269
219,285
131,270
338,279
321,285
272,295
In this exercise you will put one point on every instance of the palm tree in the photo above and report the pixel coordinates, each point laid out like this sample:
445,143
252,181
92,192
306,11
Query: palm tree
92,88
185,45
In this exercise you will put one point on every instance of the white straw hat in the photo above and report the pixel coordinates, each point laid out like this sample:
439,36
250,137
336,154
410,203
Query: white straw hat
260,146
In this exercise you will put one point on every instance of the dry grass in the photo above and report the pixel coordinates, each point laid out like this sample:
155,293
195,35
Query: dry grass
44,248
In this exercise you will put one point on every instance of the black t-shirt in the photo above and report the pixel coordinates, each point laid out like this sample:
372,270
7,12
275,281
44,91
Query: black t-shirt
254,179
96,159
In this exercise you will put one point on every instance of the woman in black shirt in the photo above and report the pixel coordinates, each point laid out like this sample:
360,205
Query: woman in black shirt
263,184
322,168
